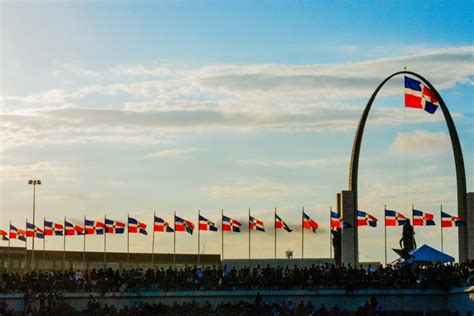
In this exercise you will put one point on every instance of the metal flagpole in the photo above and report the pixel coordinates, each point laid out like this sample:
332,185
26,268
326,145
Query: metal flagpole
9,239
174,241
330,232
128,241
302,233
26,246
44,240
84,245
249,238
64,245
153,242
275,228
441,225
385,231
105,241
412,223
199,237
222,234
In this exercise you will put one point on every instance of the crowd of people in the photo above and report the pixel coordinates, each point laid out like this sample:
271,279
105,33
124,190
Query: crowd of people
324,276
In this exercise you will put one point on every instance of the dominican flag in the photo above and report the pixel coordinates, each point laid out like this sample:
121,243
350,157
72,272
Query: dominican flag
33,231
229,224
450,221
256,224
205,224
279,223
71,229
364,219
16,233
94,227
182,225
53,229
160,225
4,234
419,96
135,226
423,219
114,227
393,218
309,223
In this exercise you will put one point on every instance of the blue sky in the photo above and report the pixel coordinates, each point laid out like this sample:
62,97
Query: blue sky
178,106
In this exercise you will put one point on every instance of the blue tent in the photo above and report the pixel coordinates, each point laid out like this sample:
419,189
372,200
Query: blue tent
427,254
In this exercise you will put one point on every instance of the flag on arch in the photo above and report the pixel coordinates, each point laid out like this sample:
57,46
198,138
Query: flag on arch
450,220
279,223
4,234
229,224
419,96
93,227
135,226
71,229
16,233
205,224
160,225
309,223
33,231
52,229
423,219
182,225
364,219
256,224
394,218
114,227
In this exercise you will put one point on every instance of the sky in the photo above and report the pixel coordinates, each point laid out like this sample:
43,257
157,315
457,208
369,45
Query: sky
141,107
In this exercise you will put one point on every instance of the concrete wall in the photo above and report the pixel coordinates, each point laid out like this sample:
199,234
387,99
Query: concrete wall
461,300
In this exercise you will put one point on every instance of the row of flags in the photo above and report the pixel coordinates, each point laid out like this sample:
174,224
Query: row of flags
392,218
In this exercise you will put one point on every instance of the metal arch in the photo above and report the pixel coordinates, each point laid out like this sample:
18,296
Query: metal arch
458,158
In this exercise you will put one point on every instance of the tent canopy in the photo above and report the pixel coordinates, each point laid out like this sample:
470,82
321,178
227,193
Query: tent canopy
427,254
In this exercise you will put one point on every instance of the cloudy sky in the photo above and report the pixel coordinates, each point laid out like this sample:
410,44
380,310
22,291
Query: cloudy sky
160,107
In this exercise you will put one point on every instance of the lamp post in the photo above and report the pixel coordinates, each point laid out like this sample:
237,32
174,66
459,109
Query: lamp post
34,183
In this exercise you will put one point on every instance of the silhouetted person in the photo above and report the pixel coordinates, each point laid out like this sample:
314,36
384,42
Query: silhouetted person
407,242
336,244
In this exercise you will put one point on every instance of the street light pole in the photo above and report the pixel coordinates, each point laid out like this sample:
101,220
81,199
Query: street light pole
34,183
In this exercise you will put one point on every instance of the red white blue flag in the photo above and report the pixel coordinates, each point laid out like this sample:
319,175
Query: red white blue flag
393,218
71,229
160,225
33,231
4,234
114,227
309,223
16,233
338,222
205,224
135,226
53,229
93,227
419,96
364,219
182,225
229,224
279,223
256,224
423,219
450,220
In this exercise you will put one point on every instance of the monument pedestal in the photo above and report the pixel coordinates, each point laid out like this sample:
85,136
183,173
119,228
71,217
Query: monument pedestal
349,240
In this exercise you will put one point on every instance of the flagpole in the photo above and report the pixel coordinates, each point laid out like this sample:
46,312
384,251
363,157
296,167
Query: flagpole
441,225
105,241
330,231
222,235
128,241
153,242
412,223
44,240
64,245
9,239
84,245
249,238
199,238
275,228
385,231
174,241
302,233
26,245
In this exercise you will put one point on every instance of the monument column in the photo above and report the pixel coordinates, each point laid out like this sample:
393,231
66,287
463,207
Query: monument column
470,228
350,240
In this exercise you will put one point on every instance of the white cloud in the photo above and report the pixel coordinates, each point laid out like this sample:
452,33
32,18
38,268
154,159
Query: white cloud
140,70
421,142
38,170
263,189
171,153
